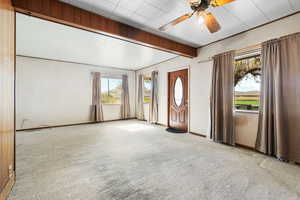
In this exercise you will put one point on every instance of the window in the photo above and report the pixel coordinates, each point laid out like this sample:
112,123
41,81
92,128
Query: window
247,78
111,90
147,89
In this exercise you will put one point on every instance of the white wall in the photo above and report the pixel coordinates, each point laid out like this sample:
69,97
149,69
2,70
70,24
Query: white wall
200,82
200,78
246,126
57,93
146,111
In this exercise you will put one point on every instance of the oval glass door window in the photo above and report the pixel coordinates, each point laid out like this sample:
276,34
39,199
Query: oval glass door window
178,91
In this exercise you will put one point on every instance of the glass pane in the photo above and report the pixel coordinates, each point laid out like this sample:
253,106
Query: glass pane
247,83
147,90
178,91
115,91
111,90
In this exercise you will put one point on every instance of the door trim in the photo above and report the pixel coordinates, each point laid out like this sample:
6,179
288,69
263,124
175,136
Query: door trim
188,67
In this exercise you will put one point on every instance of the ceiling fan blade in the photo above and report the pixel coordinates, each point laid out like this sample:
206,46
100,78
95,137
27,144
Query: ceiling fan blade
211,23
176,21
216,3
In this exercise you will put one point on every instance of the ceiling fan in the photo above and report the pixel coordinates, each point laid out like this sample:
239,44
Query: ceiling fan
199,8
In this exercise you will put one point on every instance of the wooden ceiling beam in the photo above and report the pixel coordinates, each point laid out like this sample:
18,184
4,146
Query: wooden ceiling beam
59,12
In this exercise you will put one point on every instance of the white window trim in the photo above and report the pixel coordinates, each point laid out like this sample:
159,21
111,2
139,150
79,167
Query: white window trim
247,111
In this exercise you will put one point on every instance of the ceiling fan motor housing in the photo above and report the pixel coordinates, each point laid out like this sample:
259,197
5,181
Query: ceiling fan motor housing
201,5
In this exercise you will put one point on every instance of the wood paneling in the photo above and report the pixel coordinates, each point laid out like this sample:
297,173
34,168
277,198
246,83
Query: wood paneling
63,13
7,73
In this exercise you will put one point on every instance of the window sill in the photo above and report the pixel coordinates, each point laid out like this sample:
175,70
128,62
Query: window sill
146,103
246,112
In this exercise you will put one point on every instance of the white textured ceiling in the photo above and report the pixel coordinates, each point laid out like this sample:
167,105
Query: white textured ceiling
149,15
44,39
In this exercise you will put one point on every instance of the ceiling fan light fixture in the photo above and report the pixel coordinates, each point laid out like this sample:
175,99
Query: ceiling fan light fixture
215,3
194,2
200,19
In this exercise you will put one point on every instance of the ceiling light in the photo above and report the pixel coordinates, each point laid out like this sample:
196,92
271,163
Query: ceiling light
194,2
200,19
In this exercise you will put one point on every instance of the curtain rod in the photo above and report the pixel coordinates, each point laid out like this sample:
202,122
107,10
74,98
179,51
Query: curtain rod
110,75
240,53
248,50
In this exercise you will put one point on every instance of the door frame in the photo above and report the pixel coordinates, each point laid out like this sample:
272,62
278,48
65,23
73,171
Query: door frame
188,67
9,163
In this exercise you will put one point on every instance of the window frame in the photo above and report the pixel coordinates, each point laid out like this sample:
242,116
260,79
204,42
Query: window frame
241,57
108,77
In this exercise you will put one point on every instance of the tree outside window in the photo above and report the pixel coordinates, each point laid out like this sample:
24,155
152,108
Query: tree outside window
111,90
247,80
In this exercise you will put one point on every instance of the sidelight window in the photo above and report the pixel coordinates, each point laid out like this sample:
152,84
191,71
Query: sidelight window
147,89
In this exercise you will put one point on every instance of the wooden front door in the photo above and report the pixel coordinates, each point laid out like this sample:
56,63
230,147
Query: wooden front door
178,100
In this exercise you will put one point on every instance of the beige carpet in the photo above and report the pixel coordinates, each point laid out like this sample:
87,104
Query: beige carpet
133,160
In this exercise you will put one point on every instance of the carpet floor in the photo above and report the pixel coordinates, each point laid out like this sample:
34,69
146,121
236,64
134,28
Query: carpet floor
132,160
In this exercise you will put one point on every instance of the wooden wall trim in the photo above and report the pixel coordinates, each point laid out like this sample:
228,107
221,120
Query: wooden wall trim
198,134
160,124
7,189
59,12
77,124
